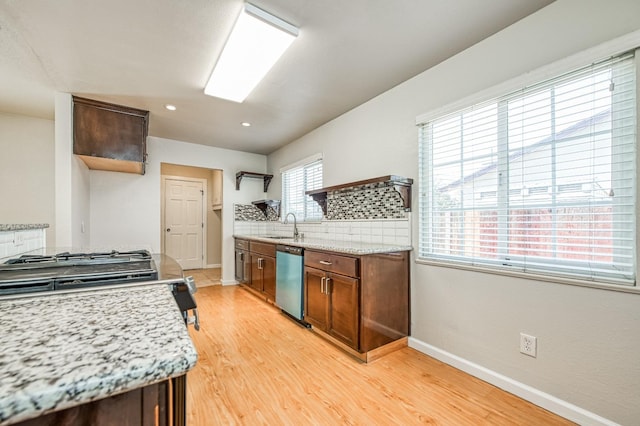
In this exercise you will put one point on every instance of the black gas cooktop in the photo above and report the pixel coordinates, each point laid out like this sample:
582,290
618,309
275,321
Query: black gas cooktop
31,273
86,258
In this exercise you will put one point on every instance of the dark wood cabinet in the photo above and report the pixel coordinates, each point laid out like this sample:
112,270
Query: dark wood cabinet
385,295
316,303
331,304
243,261
331,295
361,301
263,269
343,308
263,274
154,405
110,137
269,277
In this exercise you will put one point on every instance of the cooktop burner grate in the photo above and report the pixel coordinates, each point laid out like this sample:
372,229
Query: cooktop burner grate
92,258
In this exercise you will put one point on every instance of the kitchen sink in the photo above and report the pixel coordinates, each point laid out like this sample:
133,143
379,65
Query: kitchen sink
278,237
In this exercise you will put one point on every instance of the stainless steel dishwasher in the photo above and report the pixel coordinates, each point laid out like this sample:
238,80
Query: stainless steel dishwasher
289,281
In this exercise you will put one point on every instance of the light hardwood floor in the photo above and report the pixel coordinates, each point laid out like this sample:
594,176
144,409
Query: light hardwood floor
257,367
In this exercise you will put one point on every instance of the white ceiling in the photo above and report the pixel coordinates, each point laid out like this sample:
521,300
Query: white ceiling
147,53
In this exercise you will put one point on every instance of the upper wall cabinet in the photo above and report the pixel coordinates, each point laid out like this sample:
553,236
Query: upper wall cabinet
110,137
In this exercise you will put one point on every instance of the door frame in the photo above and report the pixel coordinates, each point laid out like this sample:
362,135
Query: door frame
205,201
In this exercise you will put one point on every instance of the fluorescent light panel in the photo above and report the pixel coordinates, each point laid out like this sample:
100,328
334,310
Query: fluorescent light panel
256,43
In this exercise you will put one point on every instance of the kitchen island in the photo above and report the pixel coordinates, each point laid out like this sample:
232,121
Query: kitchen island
68,349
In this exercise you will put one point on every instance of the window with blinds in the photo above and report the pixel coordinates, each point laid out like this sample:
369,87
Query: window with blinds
295,182
542,180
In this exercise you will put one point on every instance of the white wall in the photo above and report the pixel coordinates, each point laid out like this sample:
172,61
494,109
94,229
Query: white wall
71,182
27,172
588,339
125,208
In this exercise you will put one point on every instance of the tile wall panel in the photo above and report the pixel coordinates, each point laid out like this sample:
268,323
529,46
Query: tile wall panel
16,242
375,201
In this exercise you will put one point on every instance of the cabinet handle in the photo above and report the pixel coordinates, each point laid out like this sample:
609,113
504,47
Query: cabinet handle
324,262
322,285
326,285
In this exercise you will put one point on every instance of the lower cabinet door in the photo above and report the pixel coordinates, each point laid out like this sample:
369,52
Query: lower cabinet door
139,407
269,277
344,309
316,302
256,272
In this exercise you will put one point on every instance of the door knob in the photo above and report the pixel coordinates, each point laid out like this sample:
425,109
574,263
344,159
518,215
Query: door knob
168,229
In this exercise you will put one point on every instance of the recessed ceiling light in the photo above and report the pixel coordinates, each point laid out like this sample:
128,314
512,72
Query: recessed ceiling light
256,42
246,124
170,107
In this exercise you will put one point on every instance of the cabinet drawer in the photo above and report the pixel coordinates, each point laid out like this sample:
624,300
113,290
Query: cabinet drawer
242,244
263,248
330,262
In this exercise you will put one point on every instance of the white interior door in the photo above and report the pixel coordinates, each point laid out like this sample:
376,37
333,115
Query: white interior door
183,221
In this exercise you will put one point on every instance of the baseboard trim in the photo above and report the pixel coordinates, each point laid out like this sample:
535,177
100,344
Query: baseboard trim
526,392
229,282
213,265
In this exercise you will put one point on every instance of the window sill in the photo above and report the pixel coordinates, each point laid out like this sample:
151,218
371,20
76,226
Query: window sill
531,276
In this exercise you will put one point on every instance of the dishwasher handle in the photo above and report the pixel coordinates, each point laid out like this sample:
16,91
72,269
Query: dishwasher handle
296,251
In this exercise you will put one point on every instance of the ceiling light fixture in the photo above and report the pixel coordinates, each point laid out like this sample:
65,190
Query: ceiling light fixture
256,43
245,124
170,107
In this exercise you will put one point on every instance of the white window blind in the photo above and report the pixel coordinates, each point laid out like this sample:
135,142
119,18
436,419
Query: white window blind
295,182
542,180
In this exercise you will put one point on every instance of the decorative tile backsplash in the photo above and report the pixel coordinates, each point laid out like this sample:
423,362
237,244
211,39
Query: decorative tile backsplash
21,241
385,231
249,212
375,201
371,213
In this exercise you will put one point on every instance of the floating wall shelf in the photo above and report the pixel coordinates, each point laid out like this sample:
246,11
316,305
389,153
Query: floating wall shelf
401,184
267,178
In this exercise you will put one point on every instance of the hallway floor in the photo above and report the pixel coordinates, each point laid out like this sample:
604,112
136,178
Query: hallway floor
205,277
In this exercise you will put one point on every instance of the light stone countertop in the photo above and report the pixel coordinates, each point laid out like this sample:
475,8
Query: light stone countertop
347,247
22,226
62,350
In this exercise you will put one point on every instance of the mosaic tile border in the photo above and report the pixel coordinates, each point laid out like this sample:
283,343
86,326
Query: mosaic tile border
249,212
373,201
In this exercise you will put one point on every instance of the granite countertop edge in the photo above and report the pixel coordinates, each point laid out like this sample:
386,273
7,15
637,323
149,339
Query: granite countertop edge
346,247
22,226
78,350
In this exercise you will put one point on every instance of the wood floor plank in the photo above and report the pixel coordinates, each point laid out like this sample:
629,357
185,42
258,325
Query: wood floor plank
258,367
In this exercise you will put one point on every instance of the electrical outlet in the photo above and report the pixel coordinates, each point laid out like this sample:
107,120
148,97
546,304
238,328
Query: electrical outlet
528,345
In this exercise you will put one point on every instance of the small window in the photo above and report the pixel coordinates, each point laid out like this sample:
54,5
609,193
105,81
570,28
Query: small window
539,181
296,180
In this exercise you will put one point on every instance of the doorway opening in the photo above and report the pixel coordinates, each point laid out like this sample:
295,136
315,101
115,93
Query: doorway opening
192,197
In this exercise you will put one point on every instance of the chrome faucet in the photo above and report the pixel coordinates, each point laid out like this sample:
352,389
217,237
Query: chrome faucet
295,225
